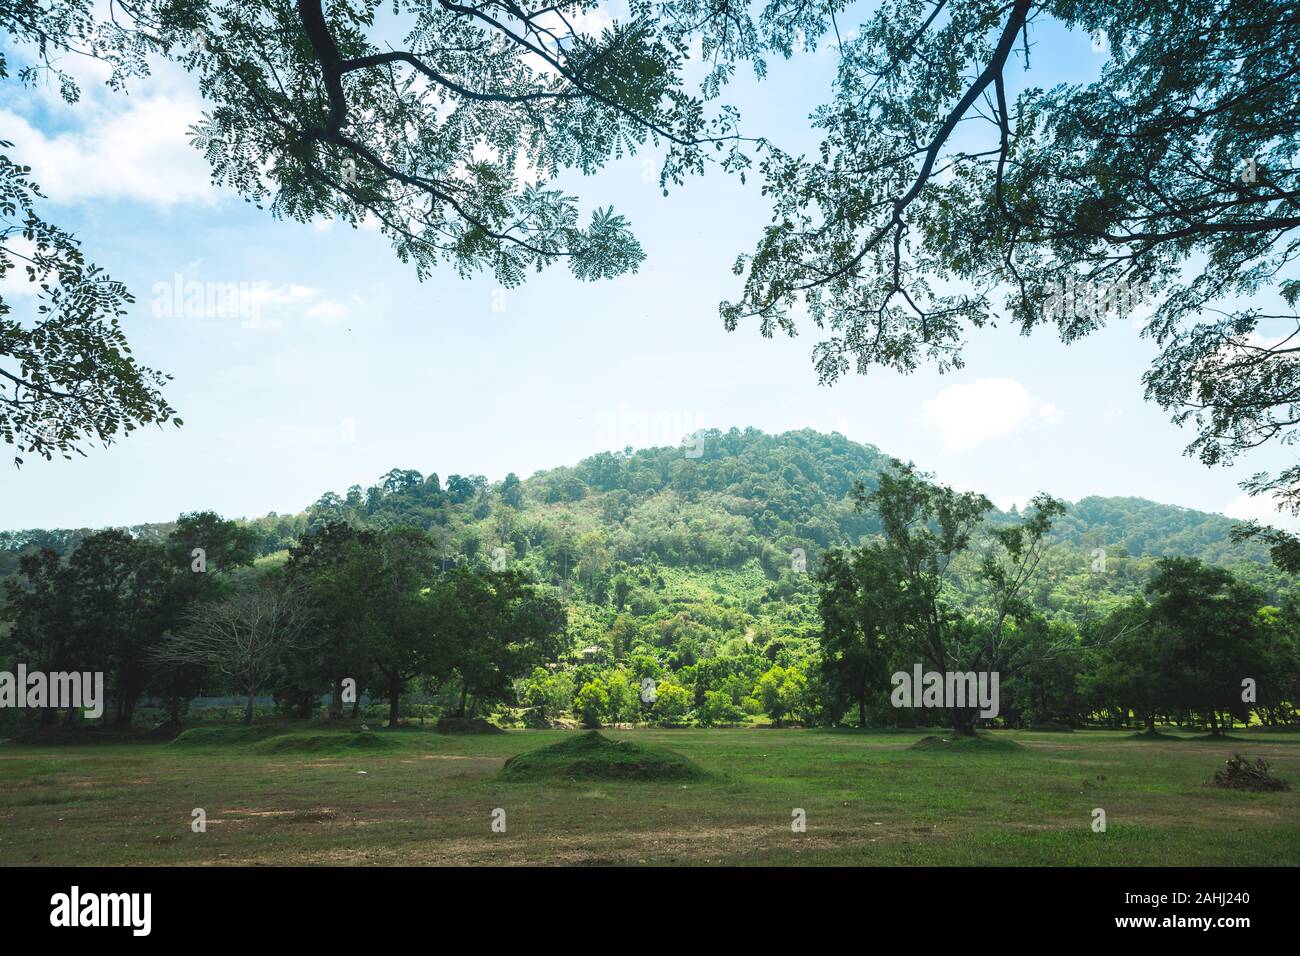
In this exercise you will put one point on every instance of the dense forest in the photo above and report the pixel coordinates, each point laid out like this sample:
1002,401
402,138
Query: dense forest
709,569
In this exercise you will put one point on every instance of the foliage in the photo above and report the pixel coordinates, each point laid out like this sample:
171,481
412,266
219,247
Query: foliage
408,609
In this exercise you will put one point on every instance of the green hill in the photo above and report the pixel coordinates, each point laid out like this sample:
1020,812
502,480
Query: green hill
703,544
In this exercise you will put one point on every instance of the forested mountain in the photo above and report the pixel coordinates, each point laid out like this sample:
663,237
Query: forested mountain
719,500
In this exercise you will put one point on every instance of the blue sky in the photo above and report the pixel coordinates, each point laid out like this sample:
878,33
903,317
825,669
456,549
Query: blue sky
354,367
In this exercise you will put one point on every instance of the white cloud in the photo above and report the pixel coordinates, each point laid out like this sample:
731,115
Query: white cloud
327,310
1259,508
967,416
135,147
286,300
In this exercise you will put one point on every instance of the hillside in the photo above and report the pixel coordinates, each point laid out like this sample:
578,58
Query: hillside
747,496
698,553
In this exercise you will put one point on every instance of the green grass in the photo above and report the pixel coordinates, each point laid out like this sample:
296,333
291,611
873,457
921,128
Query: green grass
299,793
364,742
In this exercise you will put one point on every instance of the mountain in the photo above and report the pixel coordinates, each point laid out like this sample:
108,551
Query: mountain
743,495
723,502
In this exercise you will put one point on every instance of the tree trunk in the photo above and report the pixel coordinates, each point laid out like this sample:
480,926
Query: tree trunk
862,712
963,721
248,708
1214,723
394,695
464,692
129,699
336,701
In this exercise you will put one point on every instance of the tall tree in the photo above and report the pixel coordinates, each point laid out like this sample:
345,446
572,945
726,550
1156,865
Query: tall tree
120,595
1213,633
38,610
924,528
325,563
858,599
397,573
497,627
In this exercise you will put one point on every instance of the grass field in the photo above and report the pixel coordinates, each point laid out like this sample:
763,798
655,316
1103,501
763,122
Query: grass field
296,794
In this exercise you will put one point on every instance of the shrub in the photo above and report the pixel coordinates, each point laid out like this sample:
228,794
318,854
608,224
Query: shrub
718,709
672,703
592,703
783,692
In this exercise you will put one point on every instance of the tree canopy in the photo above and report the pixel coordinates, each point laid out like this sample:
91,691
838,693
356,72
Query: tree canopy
951,192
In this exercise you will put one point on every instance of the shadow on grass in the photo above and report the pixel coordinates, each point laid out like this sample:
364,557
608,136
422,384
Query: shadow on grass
965,743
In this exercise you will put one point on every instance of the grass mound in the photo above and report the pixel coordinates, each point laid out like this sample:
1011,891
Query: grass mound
364,742
963,743
1051,727
591,756
466,725
1239,773
1153,735
225,735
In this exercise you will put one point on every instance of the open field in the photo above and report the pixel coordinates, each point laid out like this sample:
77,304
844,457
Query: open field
294,794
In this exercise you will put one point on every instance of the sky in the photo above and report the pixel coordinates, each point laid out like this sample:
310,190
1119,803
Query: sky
352,367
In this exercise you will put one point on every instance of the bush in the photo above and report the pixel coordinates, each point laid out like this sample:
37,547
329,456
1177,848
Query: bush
718,709
672,703
466,725
783,692
592,703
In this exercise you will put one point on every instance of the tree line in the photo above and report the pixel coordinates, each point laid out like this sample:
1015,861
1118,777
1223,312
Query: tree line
370,611
1199,644
946,582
